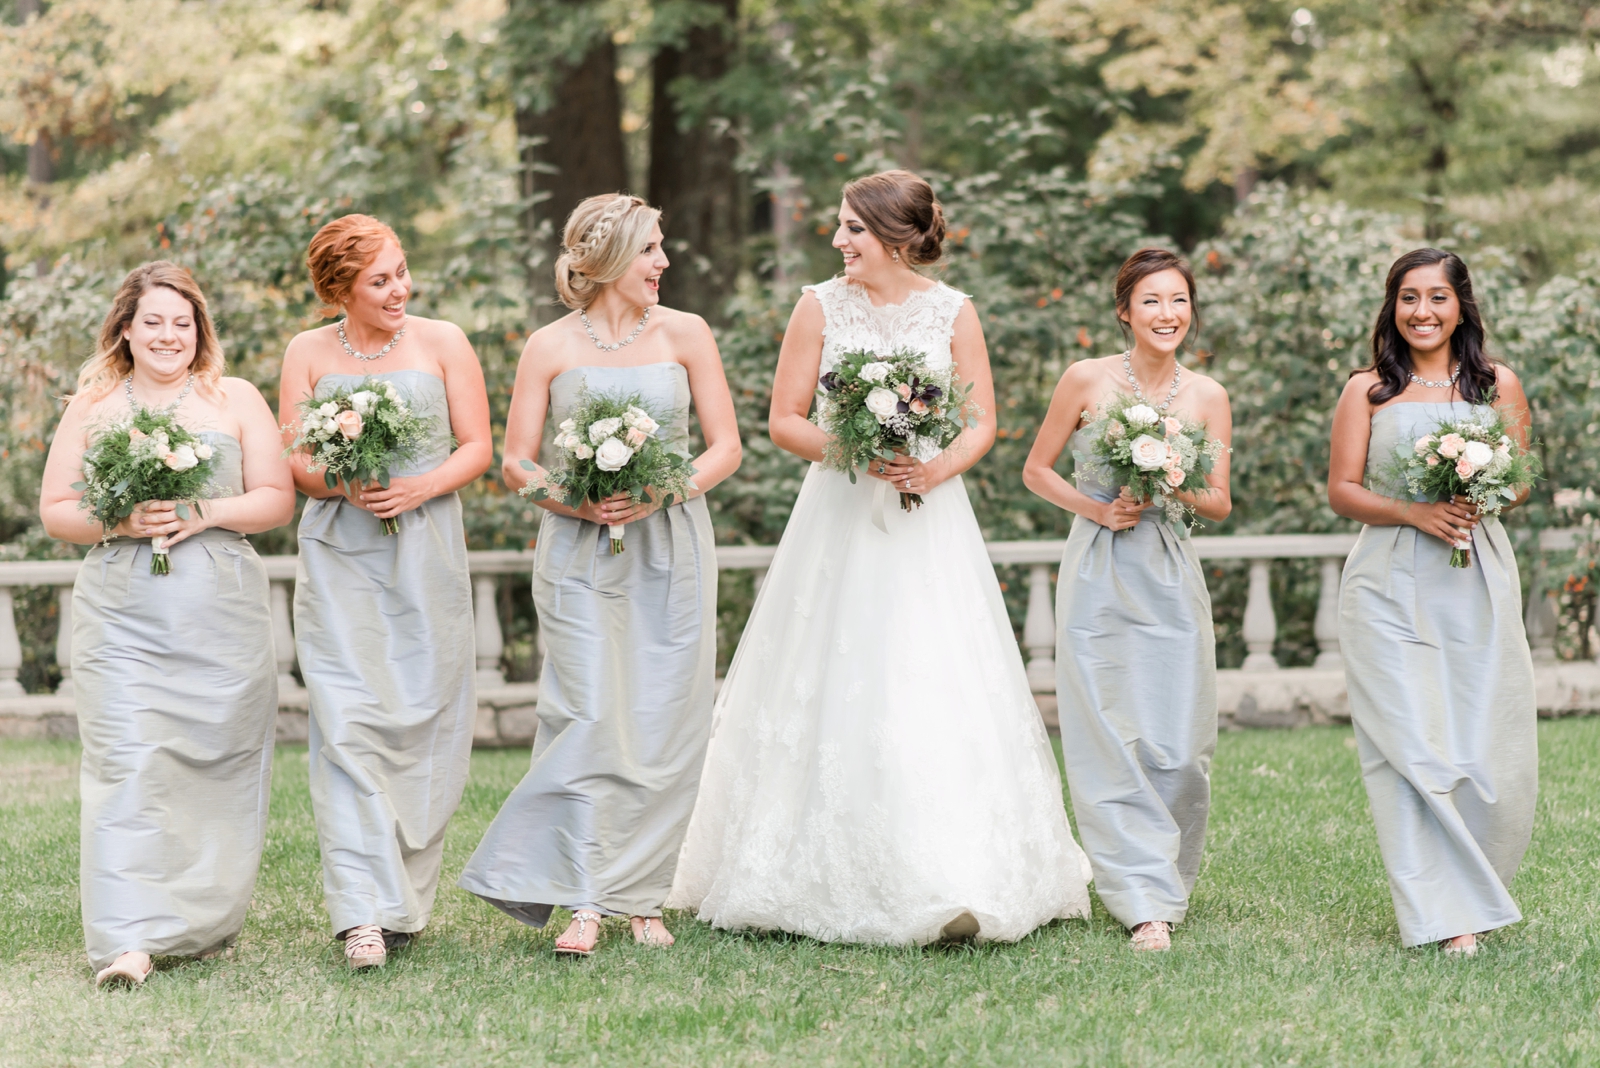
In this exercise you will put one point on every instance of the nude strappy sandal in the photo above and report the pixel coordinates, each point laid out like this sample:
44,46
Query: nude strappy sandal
646,934
584,918
364,947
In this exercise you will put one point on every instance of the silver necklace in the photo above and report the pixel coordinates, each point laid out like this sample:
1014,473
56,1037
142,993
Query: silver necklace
1138,394
380,354
166,409
1438,385
615,345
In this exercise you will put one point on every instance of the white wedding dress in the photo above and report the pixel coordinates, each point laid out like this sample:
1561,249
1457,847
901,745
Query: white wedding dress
878,768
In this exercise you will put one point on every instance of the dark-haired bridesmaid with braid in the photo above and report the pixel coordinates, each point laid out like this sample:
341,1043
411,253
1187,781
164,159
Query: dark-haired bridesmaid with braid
1436,661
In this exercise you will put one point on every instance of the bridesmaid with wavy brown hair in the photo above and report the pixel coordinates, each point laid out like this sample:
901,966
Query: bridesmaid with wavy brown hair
173,675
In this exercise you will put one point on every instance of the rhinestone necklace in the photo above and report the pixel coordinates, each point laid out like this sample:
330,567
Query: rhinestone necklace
1438,385
1138,394
615,345
164,410
380,354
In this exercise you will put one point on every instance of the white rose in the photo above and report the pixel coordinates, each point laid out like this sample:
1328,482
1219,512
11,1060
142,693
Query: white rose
202,450
564,440
567,426
1423,444
1150,453
875,372
181,459
883,403
1478,454
1142,415
612,455
390,392
363,401
582,451
329,409
644,424
601,429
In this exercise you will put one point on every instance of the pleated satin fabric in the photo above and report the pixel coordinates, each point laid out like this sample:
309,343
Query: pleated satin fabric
383,632
176,690
1136,691
1442,697
624,698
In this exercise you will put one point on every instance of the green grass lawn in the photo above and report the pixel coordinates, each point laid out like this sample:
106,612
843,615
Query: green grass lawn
1290,956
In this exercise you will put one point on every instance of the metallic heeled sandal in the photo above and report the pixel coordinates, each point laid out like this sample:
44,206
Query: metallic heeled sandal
1154,936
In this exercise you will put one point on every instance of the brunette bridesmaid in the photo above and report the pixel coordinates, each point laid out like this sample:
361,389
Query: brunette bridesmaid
1436,661
173,675
1135,657
383,622
625,698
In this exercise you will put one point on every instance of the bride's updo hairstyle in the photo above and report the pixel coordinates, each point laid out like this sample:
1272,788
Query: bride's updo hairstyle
338,254
1141,265
603,236
901,211
1391,355
113,358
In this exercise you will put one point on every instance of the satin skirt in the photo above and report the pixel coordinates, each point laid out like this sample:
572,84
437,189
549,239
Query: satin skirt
1136,686
383,631
176,689
1442,698
624,715
877,766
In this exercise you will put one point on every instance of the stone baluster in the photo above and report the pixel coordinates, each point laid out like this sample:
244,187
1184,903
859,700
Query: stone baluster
1039,631
486,632
10,647
64,639
1329,658
1260,624
283,637
1539,619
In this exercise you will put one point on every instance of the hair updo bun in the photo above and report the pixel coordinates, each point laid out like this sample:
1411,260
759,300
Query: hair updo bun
901,211
603,236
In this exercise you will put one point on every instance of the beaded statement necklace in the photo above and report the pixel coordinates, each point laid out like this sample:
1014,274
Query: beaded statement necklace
588,328
166,409
1448,383
1138,394
362,356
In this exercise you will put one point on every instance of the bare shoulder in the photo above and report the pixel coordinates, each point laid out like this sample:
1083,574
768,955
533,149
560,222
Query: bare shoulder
241,391
1206,389
437,331
1505,378
1359,385
1087,371
681,327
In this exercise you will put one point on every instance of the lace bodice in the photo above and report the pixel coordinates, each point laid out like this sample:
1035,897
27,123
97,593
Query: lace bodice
923,323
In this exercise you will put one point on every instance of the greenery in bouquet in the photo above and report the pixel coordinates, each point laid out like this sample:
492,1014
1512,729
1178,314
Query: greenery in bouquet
148,457
612,444
1475,458
1154,456
877,407
357,435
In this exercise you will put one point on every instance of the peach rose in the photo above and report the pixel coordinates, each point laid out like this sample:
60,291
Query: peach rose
1175,477
1173,425
918,407
1450,446
349,424
636,437
1464,467
904,391
1433,460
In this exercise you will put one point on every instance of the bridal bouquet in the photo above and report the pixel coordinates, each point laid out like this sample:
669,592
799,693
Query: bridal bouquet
356,435
875,407
612,445
150,457
1155,456
1474,458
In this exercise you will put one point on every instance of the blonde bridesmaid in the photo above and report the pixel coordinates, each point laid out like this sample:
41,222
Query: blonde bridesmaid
1436,660
174,676
383,622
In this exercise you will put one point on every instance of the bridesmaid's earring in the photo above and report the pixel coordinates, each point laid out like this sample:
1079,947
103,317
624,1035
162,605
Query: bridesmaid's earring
896,254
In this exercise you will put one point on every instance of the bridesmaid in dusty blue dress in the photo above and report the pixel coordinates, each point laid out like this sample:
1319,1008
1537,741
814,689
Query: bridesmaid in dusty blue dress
383,623
1436,661
626,692
1135,659
173,675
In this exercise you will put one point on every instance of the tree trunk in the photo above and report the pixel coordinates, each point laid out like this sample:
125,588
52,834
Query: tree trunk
692,177
572,148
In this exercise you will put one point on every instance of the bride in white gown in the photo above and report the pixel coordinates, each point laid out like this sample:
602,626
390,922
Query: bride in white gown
878,771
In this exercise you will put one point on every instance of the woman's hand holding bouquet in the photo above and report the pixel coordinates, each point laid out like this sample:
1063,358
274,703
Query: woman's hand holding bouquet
138,472
611,451
1472,468
1153,457
357,435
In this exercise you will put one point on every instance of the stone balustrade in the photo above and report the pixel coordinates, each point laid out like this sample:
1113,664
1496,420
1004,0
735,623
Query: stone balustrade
1260,693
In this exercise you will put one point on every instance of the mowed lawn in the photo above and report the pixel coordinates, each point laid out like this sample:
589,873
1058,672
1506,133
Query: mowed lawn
1290,956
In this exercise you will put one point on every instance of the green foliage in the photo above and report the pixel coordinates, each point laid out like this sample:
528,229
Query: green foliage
357,434
149,457
921,408
1152,456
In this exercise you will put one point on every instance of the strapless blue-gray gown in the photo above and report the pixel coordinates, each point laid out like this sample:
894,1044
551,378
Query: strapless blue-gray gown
1136,688
1442,697
383,632
176,689
624,700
